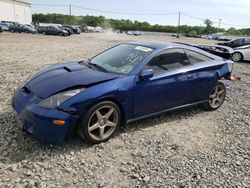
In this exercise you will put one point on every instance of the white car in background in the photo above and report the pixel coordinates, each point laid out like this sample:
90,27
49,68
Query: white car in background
241,53
130,33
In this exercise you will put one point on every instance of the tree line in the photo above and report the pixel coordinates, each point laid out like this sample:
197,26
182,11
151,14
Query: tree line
126,25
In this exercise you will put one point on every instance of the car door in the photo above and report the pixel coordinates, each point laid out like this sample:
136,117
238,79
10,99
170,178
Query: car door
245,52
247,56
18,28
22,28
50,30
168,88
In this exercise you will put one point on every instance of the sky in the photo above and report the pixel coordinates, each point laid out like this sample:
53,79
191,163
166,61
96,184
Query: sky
233,13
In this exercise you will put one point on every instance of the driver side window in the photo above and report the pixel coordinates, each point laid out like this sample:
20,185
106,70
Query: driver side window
238,41
167,60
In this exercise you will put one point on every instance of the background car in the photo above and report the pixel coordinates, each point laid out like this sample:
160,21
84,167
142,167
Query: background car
75,29
221,51
129,33
241,53
137,33
22,28
70,31
31,28
125,83
52,30
16,28
5,26
242,41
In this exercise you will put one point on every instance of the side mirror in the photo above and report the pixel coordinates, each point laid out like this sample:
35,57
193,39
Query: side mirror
146,74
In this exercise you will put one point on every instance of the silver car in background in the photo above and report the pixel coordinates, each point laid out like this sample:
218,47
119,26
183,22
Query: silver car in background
241,53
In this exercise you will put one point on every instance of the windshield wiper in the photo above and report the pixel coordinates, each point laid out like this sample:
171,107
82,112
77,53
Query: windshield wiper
86,62
98,66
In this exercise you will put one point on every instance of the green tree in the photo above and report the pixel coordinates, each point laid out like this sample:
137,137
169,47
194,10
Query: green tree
233,31
208,29
193,32
125,25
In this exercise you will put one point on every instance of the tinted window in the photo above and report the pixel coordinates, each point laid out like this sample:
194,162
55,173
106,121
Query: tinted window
247,40
169,59
237,41
195,57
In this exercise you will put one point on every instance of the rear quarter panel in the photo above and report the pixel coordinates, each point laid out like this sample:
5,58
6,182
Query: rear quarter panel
208,73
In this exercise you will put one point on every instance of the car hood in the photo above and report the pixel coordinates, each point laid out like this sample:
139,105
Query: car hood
54,79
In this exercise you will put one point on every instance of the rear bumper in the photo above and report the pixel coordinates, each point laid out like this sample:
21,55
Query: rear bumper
38,121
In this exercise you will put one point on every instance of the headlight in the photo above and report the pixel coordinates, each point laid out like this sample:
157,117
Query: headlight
59,98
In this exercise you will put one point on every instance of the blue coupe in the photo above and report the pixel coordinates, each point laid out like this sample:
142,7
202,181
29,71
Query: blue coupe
127,82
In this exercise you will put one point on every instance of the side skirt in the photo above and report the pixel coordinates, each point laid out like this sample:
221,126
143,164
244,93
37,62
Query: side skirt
163,111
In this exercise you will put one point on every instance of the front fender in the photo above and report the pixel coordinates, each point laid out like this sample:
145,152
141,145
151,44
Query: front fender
118,90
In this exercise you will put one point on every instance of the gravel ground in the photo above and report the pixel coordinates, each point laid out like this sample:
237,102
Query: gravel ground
185,148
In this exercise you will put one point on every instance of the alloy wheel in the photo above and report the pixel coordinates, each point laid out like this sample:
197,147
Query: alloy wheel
103,123
217,96
236,57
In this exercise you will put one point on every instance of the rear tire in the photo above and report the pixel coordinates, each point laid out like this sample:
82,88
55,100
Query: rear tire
216,97
12,30
44,33
237,56
100,122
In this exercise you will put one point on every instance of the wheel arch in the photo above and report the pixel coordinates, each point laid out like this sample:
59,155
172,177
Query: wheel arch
107,98
73,129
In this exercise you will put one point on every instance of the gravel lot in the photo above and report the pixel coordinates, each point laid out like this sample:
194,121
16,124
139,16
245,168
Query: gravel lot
186,148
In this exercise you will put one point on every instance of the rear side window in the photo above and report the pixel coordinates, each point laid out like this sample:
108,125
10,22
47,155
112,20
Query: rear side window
247,40
195,57
167,60
238,41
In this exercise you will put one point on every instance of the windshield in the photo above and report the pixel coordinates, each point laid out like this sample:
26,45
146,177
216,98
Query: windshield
121,59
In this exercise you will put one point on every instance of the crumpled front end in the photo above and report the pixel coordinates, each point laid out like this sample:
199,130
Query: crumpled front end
37,121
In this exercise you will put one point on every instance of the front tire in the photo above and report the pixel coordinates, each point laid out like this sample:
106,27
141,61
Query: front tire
216,97
237,56
100,122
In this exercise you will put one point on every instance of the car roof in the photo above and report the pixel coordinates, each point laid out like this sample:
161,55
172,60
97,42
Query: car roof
157,45
164,45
